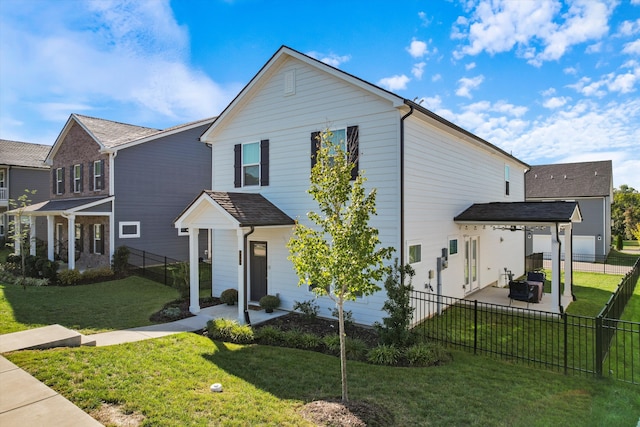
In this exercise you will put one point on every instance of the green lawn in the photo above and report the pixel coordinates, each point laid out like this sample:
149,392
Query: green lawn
119,304
167,380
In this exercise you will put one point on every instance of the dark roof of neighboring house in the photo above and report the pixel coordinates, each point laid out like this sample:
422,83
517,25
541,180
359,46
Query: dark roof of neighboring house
566,180
520,212
250,209
62,205
14,153
111,134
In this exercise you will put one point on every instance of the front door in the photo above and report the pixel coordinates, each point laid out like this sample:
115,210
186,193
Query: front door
257,270
471,263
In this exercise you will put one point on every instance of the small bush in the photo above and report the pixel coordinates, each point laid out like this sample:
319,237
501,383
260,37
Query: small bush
332,344
269,335
230,331
48,270
69,277
384,355
181,279
348,316
172,312
120,261
619,243
95,275
32,281
427,354
229,296
395,329
309,309
356,349
269,303
302,340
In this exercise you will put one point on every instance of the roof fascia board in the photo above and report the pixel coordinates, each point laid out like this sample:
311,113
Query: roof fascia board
92,204
203,198
162,134
395,100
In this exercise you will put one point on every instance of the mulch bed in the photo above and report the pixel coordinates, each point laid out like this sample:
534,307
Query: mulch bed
352,413
183,304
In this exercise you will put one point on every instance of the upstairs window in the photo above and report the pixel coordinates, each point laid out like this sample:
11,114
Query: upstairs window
58,184
347,139
77,178
98,175
3,183
506,180
251,164
415,254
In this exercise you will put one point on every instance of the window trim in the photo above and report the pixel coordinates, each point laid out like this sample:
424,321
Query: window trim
243,165
123,224
3,178
453,239
98,248
411,244
97,179
77,179
59,180
507,173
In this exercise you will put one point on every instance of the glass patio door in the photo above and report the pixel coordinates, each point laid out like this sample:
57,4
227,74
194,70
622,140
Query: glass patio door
471,257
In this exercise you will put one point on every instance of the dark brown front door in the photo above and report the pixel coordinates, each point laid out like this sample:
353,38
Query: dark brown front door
258,270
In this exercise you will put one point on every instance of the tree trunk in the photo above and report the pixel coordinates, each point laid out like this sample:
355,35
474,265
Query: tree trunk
343,350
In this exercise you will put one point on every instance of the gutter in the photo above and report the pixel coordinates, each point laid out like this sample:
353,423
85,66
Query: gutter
402,119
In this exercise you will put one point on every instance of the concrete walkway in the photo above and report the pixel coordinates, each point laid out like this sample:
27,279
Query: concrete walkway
25,401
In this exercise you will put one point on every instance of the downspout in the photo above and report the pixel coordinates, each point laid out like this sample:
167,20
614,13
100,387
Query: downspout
402,182
246,294
573,296
558,273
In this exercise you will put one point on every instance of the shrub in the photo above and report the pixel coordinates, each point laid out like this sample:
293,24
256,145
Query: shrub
269,303
69,277
9,279
356,349
172,312
229,296
384,355
95,275
427,354
303,340
120,261
180,276
269,335
395,329
229,330
309,309
332,343
619,243
348,316
48,269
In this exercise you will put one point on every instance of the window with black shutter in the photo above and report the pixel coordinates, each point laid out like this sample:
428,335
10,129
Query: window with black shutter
251,164
348,139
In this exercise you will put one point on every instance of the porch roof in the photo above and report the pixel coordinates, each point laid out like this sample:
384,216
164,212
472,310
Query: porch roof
243,209
521,213
68,206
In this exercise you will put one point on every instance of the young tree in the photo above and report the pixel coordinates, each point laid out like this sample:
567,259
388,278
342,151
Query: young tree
625,211
341,258
18,233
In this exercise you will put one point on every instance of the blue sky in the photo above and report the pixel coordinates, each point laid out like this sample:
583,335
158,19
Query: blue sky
549,81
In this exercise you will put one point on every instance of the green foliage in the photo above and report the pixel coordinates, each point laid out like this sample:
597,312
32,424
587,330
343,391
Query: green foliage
229,296
347,314
19,233
269,335
619,242
309,309
384,355
636,232
172,312
180,276
69,277
302,340
332,343
395,328
269,302
427,354
356,349
95,275
8,278
625,211
120,261
229,330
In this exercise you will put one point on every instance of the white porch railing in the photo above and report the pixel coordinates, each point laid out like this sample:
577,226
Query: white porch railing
4,193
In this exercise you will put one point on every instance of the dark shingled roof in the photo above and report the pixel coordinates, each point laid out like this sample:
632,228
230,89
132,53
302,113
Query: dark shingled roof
520,212
111,134
62,205
14,153
567,180
250,209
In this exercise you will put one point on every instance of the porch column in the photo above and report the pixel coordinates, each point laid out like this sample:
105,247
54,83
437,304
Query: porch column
71,235
32,235
568,260
50,238
555,268
242,298
194,277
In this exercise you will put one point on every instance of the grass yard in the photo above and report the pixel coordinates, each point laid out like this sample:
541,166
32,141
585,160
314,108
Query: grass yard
119,304
167,381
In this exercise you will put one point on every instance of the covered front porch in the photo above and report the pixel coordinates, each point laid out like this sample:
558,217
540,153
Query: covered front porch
516,215
232,214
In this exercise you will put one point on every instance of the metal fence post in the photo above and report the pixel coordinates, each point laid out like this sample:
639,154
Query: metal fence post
165,271
566,342
475,326
599,358
144,260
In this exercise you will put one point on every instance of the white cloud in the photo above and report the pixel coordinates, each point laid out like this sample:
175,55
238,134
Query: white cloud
536,28
470,66
418,70
417,48
632,48
424,19
436,77
397,82
548,92
466,85
623,82
330,59
570,70
629,28
555,102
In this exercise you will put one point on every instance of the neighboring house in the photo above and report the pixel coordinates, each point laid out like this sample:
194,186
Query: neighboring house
22,168
426,171
115,184
588,183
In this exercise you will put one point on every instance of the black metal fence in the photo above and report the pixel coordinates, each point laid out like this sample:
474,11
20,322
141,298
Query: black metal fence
604,346
609,264
533,262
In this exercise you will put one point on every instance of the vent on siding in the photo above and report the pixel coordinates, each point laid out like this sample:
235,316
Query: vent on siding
290,82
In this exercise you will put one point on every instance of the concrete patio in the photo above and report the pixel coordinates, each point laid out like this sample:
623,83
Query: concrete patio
500,296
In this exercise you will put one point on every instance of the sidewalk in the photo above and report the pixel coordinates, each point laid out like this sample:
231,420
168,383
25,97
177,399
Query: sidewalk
25,401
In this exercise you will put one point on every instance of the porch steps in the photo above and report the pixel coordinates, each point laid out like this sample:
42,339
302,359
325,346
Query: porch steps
41,338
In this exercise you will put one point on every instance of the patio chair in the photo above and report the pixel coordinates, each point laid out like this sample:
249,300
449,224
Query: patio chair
537,278
521,291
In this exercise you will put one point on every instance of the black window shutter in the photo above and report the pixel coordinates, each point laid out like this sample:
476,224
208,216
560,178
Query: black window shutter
62,180
315,144
90,176
237,165
102,173
101,241
91,238
54,181
352,148
81,176
71,180
264,162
